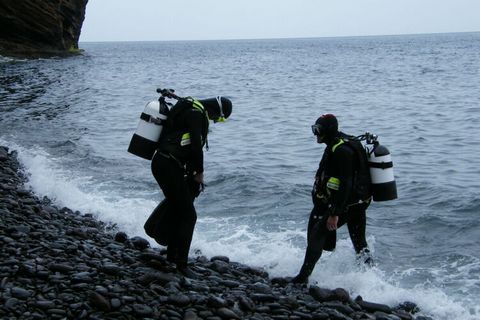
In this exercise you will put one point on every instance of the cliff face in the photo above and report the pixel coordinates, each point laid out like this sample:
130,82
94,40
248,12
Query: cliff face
31,27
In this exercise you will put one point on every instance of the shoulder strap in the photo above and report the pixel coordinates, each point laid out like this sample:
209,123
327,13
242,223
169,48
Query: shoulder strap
338,144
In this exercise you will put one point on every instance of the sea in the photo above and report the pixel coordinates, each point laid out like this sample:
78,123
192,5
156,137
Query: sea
71,120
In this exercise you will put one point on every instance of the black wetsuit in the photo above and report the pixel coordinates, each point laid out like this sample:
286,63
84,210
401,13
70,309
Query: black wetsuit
178,157
334,195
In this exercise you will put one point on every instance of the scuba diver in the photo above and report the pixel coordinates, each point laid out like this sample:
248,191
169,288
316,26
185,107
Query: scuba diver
335,198
178,169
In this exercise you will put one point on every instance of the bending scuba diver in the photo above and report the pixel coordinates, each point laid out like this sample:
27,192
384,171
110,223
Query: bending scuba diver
335,200
177,166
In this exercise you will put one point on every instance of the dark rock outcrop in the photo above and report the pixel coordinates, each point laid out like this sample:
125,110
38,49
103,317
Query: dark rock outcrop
37,27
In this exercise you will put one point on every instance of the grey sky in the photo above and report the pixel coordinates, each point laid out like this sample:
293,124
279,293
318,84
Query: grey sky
129,20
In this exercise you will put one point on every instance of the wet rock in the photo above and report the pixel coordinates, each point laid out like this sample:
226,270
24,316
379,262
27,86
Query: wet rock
3,283
98,301
383,316
320,294
146,256
81,233
20,293
157,277
139,243
205,314
371,306
200,288
246,304
115,303
179,300
335,315
190,315
302,315
11,303
59,267
230,283
402,314
111,269
128,259
220,258
254,271
3,154
142,310
45,304
121,237
408,307
340,294
320,316
81,278
76,306
281,281
172,313
260,297
340,307
289,301
19,229
259,287
216,302
220,266
158,290
59,312
226,313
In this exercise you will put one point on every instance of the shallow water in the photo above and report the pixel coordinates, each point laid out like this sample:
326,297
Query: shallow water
71,121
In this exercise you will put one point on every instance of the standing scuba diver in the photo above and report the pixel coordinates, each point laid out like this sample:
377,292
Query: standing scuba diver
335,200
178,169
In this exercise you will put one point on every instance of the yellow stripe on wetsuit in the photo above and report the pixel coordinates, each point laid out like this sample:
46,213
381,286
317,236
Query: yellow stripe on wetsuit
333,183
186,136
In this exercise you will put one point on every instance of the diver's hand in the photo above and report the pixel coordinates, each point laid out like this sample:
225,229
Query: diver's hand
198,177
332,223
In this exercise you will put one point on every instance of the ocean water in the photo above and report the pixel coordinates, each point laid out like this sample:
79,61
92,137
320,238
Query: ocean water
71,120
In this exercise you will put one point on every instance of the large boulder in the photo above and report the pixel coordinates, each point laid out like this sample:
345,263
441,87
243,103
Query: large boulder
35,27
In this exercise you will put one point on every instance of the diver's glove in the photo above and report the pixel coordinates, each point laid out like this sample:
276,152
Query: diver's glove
195,187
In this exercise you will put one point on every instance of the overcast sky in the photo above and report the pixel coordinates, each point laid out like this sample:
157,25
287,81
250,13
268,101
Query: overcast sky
139,20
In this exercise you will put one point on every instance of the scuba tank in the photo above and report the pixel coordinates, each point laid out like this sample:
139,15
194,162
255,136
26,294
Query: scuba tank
384,187
145,139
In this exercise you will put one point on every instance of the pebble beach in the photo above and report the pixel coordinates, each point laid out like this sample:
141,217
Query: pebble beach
56,263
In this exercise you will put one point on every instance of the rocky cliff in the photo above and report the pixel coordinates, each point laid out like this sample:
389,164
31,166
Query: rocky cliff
38,27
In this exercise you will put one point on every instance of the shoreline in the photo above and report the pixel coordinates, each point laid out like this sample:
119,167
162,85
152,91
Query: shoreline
59,264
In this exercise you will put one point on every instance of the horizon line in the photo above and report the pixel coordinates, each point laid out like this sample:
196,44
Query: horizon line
286,38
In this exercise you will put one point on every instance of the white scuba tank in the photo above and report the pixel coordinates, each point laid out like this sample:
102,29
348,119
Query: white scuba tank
384,187
145,138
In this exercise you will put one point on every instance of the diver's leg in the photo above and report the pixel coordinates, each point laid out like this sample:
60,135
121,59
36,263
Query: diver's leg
316,236
357,221
170,177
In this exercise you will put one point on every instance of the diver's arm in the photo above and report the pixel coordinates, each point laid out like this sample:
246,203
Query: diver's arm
194,123
344,169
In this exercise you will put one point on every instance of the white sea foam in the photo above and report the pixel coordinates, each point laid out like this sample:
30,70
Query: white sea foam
46,177
220,236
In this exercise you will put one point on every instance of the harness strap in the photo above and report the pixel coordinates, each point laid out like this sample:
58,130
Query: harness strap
380,165
338,145
148,118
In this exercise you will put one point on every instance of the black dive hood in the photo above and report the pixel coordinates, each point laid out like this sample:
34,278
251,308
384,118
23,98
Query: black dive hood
218,107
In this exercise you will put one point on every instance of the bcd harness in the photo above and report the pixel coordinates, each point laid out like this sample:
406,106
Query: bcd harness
186,136
361,179
177,138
